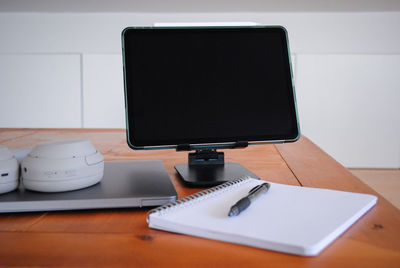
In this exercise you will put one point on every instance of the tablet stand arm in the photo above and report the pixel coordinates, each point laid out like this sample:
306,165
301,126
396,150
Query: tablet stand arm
206,157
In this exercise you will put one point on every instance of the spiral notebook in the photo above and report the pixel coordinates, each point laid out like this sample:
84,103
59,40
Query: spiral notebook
290,219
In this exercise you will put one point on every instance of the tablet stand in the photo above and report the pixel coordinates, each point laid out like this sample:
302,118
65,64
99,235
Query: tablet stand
206,167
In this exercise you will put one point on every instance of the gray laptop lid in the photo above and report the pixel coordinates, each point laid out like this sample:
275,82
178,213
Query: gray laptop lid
125,184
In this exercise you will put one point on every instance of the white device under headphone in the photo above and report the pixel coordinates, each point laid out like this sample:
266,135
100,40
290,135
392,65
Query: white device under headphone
62,166
9,171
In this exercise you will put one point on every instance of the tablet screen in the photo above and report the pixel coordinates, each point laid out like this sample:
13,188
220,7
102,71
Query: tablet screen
208,85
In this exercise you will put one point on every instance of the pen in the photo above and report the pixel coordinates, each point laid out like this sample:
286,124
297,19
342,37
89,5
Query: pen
245,202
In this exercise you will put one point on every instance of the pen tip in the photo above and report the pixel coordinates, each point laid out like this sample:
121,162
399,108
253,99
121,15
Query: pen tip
233,212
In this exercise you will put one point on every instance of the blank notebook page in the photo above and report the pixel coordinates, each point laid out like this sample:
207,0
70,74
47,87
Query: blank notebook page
291,219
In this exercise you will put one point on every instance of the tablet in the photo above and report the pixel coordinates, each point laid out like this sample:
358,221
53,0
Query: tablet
208,86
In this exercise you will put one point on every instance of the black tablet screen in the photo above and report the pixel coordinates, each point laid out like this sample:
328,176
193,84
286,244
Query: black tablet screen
208,85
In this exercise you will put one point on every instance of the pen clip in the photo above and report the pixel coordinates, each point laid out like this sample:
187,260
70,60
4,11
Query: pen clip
255,189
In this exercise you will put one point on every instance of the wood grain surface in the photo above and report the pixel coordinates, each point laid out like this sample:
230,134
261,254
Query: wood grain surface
120,237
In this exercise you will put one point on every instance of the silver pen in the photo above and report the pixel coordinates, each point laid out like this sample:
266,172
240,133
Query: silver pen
245,202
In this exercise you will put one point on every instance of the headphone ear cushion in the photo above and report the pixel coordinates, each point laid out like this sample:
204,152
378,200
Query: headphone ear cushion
62,166
9,171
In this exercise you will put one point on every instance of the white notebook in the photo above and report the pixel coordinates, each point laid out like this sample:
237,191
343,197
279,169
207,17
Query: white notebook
290,219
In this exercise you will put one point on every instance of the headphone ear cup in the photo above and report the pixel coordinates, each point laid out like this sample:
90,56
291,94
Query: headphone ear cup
61,166
9,171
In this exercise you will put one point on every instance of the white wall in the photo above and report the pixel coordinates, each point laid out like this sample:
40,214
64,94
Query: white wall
64,70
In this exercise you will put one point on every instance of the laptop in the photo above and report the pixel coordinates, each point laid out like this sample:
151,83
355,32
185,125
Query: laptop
125,184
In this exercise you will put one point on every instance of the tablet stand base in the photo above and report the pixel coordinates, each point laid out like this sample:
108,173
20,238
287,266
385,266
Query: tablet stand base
207,168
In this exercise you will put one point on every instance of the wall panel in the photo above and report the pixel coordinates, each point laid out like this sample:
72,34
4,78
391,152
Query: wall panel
40,91
349,106
103,92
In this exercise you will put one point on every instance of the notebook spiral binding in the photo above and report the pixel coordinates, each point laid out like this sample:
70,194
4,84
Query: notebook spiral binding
197,195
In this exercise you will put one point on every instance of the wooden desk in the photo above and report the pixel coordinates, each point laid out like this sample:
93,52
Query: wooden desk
121,236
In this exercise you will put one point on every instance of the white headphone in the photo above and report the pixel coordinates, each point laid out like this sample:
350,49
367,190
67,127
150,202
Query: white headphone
62,166
9,171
